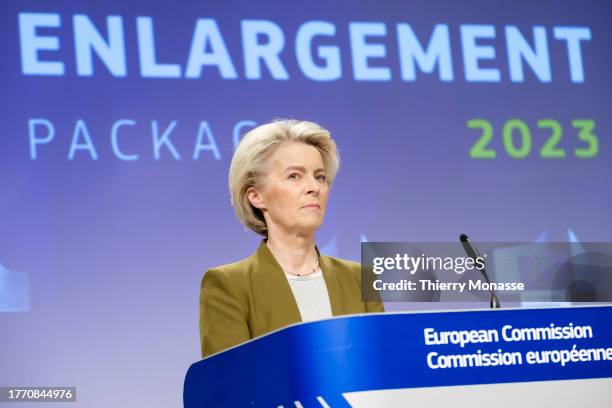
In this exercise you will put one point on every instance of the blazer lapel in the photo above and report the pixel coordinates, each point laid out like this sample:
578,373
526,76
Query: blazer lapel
275,300
331,281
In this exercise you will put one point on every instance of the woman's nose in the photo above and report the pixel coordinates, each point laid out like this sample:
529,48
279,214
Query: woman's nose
313,185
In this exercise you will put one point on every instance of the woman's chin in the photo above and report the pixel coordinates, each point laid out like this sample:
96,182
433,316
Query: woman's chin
309,226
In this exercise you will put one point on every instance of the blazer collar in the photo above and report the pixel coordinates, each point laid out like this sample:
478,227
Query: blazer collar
273,277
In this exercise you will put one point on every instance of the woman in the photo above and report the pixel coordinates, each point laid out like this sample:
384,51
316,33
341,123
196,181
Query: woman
279,181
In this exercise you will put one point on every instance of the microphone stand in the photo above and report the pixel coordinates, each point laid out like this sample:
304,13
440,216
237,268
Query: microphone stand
472,252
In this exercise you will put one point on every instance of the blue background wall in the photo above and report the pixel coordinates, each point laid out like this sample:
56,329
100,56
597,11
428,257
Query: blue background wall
101,257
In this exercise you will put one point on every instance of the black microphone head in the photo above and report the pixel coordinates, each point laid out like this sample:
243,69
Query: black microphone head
470,249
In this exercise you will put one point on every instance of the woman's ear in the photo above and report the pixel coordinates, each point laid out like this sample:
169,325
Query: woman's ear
255,198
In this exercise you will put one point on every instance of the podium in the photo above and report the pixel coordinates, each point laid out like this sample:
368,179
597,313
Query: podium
535,357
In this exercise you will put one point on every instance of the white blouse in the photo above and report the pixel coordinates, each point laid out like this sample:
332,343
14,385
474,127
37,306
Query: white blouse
311,295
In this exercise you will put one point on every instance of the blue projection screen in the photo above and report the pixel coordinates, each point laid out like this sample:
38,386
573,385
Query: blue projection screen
119,120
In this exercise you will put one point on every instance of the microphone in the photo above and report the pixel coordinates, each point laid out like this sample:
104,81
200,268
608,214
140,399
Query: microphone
472,252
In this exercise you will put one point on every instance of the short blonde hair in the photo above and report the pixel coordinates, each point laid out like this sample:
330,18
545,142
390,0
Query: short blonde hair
250,162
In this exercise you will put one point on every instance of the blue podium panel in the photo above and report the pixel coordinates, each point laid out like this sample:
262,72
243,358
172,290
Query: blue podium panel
390,359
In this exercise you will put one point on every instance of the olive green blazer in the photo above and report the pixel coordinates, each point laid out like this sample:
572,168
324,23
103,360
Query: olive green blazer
249,298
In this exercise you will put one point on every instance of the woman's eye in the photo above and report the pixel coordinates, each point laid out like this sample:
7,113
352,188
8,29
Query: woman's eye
322,177
293,176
